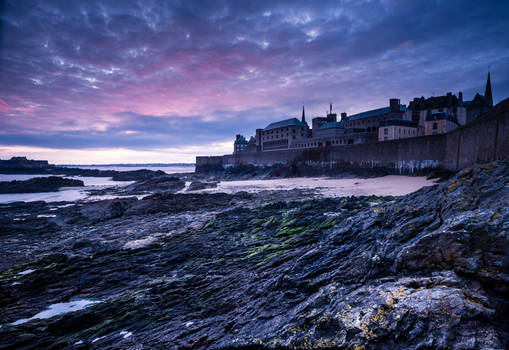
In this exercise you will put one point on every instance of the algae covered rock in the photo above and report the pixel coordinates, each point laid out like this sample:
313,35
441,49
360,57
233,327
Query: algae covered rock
422,271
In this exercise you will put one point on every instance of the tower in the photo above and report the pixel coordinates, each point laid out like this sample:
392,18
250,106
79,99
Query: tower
303,115
487,92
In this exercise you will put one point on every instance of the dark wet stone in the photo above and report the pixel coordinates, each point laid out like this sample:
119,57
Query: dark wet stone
198,185
270,270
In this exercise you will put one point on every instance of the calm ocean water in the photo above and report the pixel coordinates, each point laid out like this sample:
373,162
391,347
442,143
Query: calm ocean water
169,169
387,185
77,193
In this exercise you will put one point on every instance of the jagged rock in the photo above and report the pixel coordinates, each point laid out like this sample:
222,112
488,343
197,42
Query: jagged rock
426,270
157,184
198,185
38,184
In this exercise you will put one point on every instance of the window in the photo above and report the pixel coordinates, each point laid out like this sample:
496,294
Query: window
435,126
386,131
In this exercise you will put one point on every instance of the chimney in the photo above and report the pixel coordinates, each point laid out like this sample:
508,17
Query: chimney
394,104
343,116
460,96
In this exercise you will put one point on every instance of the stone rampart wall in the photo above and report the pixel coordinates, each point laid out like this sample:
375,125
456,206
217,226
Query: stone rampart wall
481,141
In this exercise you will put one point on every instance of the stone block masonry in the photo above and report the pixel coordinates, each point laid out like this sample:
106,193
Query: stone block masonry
481,141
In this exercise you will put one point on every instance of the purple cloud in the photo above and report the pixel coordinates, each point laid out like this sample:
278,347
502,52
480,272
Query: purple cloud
143,75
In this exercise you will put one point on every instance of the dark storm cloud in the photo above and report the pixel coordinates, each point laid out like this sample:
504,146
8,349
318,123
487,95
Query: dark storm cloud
148,74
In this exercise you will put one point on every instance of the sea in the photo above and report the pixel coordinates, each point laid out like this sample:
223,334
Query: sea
395,185
80,193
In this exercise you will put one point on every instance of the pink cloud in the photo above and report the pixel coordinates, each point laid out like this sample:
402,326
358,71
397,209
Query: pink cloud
4,106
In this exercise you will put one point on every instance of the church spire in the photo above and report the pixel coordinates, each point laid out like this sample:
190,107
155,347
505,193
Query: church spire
487,92
303,115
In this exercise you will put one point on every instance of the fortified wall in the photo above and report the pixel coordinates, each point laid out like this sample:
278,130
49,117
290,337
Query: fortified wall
483,140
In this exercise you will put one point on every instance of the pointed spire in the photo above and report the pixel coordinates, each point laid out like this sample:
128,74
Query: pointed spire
330,104
303,115
487,92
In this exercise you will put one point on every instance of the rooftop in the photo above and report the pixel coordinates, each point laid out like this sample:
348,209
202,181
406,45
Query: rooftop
331,125
441,116
285,123
434,102
374,112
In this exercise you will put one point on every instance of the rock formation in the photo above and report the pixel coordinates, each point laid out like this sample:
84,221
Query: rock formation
175,271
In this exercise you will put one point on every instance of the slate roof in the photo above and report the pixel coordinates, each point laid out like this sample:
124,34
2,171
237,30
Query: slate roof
241,139
374,112
331,125
285,123
478,102
447,101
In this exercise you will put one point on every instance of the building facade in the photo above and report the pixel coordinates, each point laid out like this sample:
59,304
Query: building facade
419,109
394,129
369,121
440,123
423,117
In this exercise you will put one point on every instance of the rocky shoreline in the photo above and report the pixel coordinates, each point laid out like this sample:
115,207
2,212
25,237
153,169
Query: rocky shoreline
38,184
131,175
275,269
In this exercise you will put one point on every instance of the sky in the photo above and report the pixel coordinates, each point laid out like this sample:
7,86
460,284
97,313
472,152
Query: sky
163,81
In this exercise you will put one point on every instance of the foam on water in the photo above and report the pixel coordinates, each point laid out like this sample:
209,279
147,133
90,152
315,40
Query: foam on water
58,309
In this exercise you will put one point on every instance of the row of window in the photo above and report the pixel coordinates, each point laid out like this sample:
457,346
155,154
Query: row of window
366,122
264,138
319,144
275,131
410,132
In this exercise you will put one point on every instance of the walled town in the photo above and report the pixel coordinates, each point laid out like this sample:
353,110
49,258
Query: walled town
422,117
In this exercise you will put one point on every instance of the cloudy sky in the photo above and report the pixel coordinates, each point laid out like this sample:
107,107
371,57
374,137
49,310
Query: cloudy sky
163,81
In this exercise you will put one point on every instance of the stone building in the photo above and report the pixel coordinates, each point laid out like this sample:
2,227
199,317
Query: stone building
239,144
369,121
452,105
393,129
284,134
419,109
440,123
319,121
480,103
422,117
